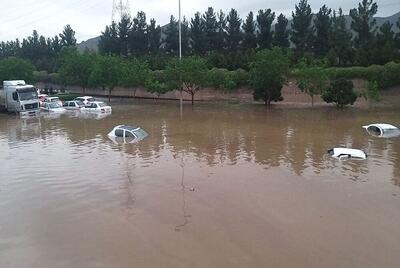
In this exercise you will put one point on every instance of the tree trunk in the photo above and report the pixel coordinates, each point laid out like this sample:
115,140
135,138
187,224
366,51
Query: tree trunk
109,95
192,93
312,101
84,90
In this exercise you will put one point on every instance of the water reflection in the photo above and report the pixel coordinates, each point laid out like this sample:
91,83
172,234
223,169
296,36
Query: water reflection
220,136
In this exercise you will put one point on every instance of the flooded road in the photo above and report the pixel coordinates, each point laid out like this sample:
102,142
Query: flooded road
221,186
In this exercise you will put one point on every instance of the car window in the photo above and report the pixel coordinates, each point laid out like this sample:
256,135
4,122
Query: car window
129,134
66,104
119,133
72,104
102,104
90,99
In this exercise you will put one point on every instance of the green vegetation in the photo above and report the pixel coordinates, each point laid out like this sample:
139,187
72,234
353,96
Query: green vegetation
340,92
268,74
220,51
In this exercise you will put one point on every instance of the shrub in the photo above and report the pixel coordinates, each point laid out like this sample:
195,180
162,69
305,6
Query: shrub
340,92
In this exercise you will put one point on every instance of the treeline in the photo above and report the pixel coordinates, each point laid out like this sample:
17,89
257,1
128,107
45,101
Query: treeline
43,52
228,41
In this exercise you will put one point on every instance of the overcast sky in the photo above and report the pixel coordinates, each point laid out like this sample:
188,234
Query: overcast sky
89,17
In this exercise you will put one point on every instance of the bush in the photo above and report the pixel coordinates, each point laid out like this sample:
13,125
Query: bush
340,92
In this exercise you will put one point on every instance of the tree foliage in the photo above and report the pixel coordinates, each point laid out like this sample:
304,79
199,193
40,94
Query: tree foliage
268,74
341,93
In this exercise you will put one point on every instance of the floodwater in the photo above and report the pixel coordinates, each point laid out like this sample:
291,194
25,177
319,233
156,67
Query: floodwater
220,186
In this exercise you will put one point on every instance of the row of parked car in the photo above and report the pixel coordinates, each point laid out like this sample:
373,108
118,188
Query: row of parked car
85,103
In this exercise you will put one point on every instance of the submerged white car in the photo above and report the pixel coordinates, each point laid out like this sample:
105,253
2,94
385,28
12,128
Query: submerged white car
85,99
74,105
53,99
53,107
98,106
382,130
346,153
127,134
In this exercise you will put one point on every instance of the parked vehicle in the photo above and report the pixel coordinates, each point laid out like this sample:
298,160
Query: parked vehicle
54,99
73,105
42,98
98,106
53,107
16,96
85,99
127,134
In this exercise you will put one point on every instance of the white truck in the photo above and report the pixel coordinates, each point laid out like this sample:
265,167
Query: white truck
18,97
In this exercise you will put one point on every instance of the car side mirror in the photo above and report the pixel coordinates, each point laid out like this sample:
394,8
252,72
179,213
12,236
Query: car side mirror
15,96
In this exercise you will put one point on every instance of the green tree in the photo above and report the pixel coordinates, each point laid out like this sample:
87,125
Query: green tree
372,92
133,73
264,23
138,42
313,82
341,52
109,42
220,42
197,34
249,32
302,29
76,68
233,33
106,73
124,28
364,25
385,48
210,28
323,25
268,74
68,36
154,37
156,83
340,92
281,36
16,69
171,40
187,75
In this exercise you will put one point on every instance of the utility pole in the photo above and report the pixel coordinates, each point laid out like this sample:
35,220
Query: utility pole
180,53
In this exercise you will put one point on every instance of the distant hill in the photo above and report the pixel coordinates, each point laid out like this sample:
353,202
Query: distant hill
92,43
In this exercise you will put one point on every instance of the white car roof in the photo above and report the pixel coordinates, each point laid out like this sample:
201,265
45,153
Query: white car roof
382,126
353,153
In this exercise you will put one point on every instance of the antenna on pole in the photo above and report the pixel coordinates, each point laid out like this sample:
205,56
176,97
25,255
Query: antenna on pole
120,8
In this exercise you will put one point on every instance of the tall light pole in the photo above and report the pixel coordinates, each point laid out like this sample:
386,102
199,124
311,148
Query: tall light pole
180,52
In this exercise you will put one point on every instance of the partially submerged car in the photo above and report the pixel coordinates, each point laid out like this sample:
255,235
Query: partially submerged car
382,130
73,105
127,134
98,106
346,153
54,99
53,107
85,99
42,98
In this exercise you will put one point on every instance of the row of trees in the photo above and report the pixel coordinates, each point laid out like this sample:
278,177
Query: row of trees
322,35
41,51
267,74
227,41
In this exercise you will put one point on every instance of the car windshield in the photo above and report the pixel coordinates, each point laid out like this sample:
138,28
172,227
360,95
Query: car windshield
27,95
80,104
90,99
141,134
79,99
54,105
55,99
102,104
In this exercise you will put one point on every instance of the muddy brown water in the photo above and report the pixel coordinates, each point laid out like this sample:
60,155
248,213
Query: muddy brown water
220,186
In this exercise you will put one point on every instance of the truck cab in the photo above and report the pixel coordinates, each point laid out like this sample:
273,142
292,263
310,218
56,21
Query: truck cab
18,97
